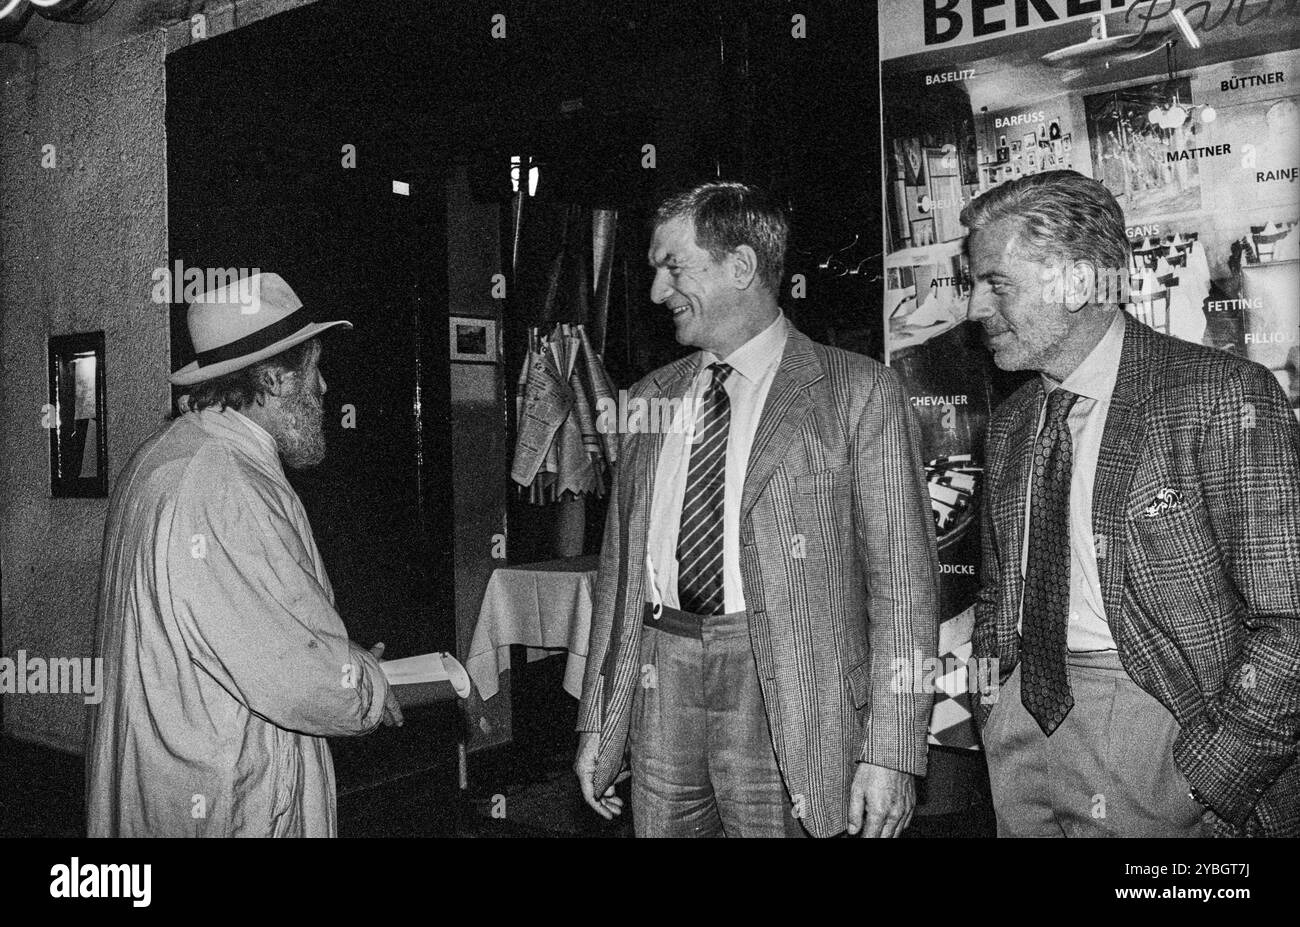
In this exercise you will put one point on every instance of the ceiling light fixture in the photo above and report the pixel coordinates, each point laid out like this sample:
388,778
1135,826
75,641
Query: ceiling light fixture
1175,114
1184,27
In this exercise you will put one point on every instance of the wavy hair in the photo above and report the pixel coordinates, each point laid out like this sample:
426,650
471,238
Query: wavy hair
728,215
1063,215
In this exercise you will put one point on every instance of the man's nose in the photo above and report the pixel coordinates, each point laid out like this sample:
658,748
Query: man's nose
322,384
978,309
660,290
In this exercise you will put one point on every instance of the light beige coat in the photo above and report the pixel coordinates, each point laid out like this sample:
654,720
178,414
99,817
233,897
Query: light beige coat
225,662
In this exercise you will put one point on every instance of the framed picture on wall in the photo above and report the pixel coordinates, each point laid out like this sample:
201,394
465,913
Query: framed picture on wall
75,417
913,162
473,341
1122,136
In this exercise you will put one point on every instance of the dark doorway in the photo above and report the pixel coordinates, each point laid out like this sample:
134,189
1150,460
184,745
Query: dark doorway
264,126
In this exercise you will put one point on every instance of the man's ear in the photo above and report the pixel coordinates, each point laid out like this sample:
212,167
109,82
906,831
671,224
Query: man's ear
1080,285
744,267
277,381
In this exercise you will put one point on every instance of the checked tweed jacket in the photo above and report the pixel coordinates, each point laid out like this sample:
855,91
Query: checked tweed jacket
839,570
1203,597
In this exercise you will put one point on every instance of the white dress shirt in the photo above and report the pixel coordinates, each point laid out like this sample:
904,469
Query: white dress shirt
754,366
1093,381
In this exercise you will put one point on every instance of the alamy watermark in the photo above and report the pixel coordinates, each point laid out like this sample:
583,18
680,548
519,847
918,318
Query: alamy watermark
641,415
1110,286
921,676
181,284
26,675
76,879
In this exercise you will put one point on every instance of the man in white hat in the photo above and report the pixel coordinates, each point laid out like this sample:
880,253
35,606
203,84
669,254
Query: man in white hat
225,662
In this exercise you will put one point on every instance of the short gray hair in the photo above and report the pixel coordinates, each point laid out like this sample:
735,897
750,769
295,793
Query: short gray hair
1063,215
728,215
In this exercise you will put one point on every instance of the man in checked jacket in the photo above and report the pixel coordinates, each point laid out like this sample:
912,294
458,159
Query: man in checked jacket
761,575
1141,576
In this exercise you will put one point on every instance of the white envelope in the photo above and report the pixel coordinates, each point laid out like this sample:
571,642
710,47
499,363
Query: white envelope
428,667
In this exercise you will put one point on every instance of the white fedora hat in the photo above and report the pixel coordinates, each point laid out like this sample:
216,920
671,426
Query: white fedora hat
243,322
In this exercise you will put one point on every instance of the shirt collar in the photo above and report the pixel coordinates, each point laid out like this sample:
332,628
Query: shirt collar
756,356
1095,377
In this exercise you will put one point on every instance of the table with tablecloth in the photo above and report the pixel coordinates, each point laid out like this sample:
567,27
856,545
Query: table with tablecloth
546,608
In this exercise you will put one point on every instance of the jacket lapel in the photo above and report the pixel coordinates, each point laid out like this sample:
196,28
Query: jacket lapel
643,461
640,464
1117,461
783,413
671,383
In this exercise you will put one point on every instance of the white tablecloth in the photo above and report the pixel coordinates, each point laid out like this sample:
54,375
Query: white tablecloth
545,607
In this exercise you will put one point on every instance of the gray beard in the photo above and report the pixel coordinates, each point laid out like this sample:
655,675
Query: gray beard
301,435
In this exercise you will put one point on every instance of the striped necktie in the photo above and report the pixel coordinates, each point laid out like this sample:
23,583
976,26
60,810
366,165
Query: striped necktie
699,542
1045,685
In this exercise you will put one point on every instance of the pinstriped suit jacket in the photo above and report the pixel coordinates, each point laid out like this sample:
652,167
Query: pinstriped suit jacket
1203,599
834,474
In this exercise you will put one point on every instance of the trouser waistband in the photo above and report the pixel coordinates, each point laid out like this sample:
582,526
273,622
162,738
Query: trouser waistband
1101,661
689,624
1105,662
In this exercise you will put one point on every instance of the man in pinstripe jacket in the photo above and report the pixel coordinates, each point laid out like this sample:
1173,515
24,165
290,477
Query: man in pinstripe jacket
762,569
1141,575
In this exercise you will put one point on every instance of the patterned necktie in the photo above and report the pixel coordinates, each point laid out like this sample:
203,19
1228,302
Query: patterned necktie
699,542
1045,686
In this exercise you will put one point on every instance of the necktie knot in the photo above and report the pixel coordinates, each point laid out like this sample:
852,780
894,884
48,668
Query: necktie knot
1059,403
720,372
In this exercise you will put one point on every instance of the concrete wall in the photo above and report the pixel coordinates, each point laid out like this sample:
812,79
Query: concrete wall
78,243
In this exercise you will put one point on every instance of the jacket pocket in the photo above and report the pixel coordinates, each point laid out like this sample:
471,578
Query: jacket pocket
822,480
1177,538
859,682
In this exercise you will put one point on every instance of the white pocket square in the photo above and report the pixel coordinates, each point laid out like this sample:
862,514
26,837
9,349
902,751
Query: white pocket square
1166,500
